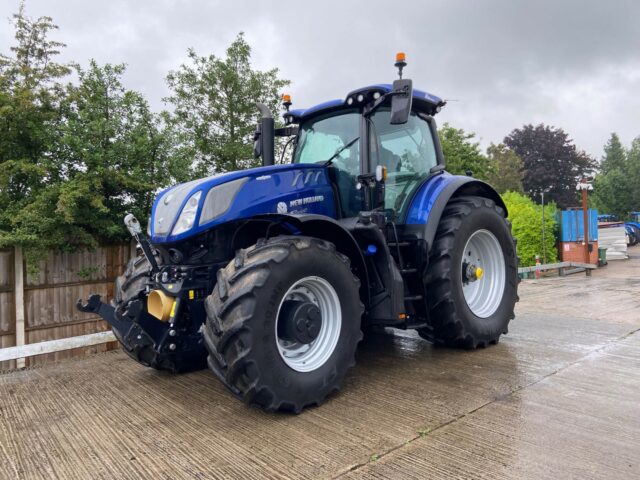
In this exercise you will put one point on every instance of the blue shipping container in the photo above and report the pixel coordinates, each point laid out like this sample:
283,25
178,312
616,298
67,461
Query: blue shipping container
572,225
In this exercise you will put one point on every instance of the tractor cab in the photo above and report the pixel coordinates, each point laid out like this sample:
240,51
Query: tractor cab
358,142
380,144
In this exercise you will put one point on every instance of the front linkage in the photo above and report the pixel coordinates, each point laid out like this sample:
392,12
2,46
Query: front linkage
158,316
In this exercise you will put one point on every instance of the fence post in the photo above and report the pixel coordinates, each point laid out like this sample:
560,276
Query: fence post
18,285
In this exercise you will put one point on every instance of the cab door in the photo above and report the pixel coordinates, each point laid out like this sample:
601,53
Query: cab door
408,151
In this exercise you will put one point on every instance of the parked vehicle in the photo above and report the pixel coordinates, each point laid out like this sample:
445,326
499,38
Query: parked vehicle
633,233
632,228
270,274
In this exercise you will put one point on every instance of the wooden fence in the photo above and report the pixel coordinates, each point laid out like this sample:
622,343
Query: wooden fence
42,307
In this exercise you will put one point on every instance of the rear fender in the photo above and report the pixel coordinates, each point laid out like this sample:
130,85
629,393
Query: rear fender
430,200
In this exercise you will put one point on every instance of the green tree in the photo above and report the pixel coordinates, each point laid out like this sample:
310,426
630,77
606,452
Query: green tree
108,154
30,103
462,154
113,154
213,113
507,169
526,225
616,186
552,163
610,193
633,175
615,156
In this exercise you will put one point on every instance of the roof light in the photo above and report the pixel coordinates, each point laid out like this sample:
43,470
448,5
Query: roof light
401,62
376,95
286,101
360,97
350,101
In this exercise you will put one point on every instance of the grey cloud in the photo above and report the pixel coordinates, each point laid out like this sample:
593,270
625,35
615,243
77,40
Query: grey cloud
573,64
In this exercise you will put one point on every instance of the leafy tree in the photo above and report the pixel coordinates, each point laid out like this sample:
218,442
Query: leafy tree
109,154
610,193
113,152
615,156
526,224
30,102
633,175
31,65
461,153
616,188
552,162
507,169
213,113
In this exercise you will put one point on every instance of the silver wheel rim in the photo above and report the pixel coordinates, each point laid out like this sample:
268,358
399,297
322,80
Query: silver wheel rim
308,357
483,296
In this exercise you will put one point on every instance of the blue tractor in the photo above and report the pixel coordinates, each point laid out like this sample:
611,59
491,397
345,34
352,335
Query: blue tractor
270,275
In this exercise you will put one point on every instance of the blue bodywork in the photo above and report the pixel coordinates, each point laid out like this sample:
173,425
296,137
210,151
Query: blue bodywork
285,189
290,189
426,196
299,188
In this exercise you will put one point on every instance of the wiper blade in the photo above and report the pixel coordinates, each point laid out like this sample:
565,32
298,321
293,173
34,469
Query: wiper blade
339,151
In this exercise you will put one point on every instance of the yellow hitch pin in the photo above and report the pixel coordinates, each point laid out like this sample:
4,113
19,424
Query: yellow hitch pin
191,294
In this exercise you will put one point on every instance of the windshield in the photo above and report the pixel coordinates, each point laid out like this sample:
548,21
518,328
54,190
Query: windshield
320,139
406,150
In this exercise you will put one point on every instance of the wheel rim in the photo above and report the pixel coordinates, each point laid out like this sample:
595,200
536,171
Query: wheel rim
484,294
311,356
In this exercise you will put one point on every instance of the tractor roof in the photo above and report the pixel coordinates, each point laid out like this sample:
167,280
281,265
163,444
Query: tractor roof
422,101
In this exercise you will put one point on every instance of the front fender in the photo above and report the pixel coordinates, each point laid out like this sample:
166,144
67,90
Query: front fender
326,228
430,200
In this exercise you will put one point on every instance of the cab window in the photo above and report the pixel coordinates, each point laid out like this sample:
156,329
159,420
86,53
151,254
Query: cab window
408,152
319,140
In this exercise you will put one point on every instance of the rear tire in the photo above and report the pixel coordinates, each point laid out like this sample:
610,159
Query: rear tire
245,318
135,342
464,312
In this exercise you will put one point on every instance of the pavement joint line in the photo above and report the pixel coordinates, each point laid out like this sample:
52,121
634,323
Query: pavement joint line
389,451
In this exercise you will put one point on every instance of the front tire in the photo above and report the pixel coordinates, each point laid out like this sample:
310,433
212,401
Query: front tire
283,323
471,283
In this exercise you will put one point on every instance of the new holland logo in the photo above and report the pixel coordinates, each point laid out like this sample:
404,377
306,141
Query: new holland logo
282,207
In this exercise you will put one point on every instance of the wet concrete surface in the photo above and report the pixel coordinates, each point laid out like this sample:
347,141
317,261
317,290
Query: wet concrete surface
558,397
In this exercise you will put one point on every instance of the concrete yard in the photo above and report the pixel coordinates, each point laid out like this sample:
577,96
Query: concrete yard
558,397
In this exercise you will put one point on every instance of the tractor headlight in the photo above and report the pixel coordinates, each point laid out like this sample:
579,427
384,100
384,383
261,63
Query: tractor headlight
188,214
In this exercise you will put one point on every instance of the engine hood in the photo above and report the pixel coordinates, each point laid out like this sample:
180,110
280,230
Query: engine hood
293,188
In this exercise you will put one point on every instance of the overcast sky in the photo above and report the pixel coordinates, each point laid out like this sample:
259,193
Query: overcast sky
571,64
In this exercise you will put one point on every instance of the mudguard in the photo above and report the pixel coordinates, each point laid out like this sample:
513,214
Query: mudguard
430,200
326,228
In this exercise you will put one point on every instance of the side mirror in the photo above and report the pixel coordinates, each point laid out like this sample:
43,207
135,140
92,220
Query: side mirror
401,101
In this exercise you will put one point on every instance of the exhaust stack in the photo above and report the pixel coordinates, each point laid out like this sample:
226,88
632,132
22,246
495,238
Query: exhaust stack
264,136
